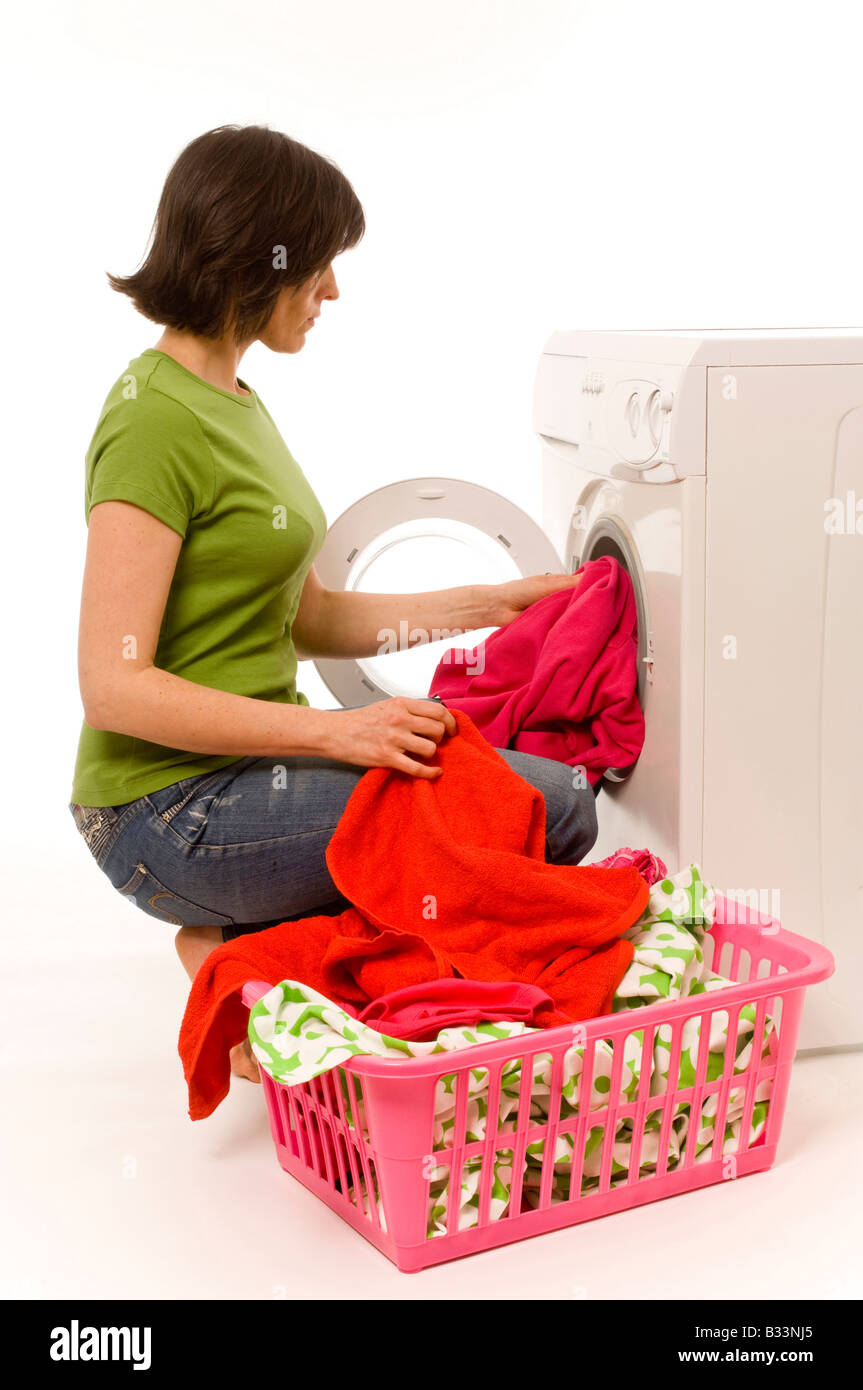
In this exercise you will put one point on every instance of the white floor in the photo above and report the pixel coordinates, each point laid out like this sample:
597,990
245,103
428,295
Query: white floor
110,1191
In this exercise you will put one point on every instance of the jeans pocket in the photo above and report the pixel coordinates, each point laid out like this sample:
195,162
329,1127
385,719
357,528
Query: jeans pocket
187,810
146,892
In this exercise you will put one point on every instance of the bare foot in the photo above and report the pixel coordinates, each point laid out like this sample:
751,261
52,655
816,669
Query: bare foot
243,1062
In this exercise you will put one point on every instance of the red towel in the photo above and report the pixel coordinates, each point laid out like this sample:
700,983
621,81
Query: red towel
448,877
561,680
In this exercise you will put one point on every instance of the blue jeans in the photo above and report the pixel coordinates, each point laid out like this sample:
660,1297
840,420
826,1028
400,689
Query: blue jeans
243,848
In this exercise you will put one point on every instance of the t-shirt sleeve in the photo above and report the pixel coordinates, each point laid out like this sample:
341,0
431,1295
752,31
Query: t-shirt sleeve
151,451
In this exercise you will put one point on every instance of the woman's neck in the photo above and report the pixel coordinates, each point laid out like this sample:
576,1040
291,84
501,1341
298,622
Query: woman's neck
214,359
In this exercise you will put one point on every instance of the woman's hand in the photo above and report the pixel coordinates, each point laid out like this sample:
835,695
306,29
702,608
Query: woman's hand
508,601
386,732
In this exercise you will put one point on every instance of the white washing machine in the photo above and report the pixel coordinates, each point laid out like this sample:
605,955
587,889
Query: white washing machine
724,470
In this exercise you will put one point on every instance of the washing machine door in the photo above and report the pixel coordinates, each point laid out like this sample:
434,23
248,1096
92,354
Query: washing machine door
416,535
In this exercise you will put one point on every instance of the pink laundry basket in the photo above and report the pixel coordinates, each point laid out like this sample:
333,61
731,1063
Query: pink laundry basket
376,1175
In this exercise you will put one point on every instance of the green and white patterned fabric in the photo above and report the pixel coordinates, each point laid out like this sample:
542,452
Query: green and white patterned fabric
297,1034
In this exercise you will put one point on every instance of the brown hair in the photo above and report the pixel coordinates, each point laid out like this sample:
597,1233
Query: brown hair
245,213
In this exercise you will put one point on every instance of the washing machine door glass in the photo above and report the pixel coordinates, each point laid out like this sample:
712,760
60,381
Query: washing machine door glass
416,535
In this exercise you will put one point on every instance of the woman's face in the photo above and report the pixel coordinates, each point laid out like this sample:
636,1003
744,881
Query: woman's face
295,312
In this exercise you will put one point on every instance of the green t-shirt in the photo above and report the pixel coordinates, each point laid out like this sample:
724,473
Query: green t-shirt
211,465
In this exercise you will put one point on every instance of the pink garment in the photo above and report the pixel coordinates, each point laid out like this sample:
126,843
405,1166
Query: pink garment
560,680
650,866
419,1012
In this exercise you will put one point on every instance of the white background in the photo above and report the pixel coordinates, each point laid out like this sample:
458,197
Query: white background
523,168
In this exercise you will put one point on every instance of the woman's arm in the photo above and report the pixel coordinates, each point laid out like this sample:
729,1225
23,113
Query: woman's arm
131,557
342,623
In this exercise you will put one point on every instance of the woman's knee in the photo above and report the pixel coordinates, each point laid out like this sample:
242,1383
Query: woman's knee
574,831
571,827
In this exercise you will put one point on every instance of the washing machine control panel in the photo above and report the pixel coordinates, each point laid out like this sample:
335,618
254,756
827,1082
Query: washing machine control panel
622,417
638,421
593,383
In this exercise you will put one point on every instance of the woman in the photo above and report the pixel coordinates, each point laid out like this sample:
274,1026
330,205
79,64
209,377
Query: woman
205,785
